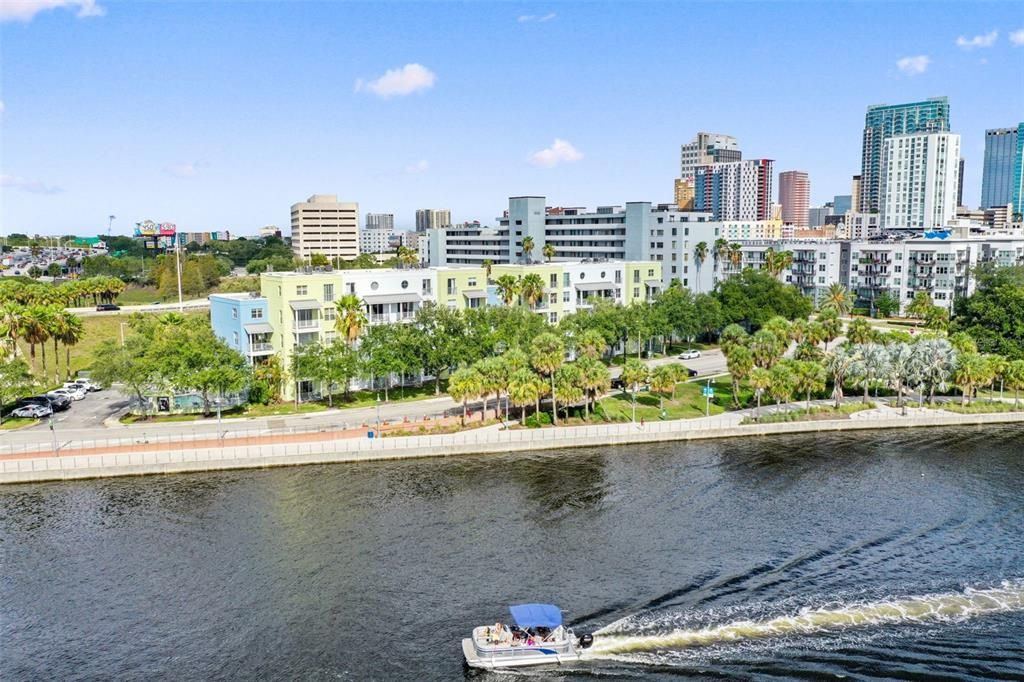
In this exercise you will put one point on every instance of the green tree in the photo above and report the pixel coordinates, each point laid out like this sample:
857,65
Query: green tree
492,380
591,344
808,377
767,348
837,299
993,315
523,390
15,381
634,374
508,288
596,380
528,245
887,305
548,251
740,361
338,367
568,386
753,297
921,306
731,337
547,353
465,384
858,331
133,366
350,318
437,339
970,371
680,312
760,380
531,288
663,380
1014,377
839,363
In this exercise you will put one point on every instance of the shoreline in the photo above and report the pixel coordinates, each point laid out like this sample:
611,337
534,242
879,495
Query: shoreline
265,455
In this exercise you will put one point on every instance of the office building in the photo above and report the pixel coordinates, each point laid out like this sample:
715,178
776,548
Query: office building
816,215
1018,174
841,203
920,171
1000,179
186,238
737,190
707,148
432,218
380,221
795,196
855,194
376,240
324,225
683,194
882,122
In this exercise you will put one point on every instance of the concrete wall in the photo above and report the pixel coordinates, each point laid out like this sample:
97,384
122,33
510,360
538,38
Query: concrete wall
483,442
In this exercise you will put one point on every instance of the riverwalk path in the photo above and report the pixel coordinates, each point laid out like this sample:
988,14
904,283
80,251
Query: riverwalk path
169,454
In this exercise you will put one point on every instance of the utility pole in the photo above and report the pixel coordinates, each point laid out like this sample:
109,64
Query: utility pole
177,263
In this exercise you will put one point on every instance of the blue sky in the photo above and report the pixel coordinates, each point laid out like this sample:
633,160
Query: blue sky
221,115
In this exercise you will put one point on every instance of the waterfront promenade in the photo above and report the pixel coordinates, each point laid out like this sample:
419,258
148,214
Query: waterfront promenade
135,456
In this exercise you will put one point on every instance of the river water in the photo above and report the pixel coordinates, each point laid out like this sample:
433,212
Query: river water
896,554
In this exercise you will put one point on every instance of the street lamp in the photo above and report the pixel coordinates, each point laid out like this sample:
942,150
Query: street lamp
110,223
378,415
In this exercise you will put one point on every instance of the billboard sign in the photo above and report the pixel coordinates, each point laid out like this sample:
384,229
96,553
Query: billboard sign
147,228
166,229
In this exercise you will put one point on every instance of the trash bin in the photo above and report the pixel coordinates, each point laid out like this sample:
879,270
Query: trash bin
370,434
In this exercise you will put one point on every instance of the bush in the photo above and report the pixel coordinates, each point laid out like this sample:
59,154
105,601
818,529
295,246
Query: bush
863,312
535,421
260,393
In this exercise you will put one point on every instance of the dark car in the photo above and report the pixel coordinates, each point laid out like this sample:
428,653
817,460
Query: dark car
690,371
58,403
618,384
107,306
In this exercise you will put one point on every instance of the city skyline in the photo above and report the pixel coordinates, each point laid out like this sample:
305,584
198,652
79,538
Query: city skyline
172,132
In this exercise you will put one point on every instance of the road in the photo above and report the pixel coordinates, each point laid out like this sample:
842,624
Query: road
195,304
86,418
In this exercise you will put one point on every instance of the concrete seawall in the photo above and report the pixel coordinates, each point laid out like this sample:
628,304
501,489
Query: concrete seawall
70,466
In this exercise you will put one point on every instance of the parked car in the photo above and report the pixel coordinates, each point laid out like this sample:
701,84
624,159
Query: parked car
83,384
58,403
618,384
691,372
73,393
107,306
33,411
689,355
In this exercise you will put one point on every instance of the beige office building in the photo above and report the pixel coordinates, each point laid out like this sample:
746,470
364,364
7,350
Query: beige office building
322,224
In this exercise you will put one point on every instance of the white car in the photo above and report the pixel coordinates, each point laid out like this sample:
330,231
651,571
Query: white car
89,384
81,384
689,355
73,393
32,411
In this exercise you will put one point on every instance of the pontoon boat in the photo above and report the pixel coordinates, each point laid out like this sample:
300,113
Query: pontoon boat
537,638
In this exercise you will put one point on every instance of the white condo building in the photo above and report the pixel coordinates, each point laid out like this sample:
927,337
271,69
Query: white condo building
920,173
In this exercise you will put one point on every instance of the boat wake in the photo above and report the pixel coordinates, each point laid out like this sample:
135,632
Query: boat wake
614,639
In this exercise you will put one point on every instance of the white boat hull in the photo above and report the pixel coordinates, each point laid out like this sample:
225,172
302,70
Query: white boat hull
516,657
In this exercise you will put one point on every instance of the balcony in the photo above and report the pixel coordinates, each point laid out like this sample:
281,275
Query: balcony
260,349
307,324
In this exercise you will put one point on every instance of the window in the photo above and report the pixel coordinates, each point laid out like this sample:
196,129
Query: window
234,338
554,280
519,222
565,279
451,286
351,287
553,318
565,296
328,292
553,298
650,272
426,286
618,276
472,281
374,286
301,290
256,314
636,276
234,313
636,292
583,275
330,313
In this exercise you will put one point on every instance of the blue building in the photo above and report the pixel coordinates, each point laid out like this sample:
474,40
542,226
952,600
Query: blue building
241,321
841,203
1001,177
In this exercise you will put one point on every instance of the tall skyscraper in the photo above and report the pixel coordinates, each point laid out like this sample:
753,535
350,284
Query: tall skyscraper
841,203
322,224
380,221
1000,180
737,190
795,197
921,172
882,122
432,218
707,148
1018,172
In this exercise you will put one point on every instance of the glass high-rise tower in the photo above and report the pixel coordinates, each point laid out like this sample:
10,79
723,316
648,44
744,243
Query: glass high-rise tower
1001,180
881,122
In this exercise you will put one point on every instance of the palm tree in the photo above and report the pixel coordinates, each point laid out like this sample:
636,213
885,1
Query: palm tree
837,299
663,380
781,388
839,363
531,288
700,254
350,319
548,251
634,375
760,380
784,261
770,261
739,363
508,288
874,363
766,348
808,378
488,265
569,386
464,385
736,254
57,328
527,247
595,378
1014,377
523,390
732,336
35,329
971,371
721,251
491,372
859,331
902,367
935,360
591,344
10,326
407,256
831,326
547,353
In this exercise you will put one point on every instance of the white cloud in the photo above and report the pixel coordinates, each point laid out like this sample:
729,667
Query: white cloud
26,185
984,40
24,10
404,81
560,151
912,66
1017,37
184,170
421,166
525,18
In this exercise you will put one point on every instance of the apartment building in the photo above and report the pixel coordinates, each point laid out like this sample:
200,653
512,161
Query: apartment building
919,181
432,218
324,225
795,196
816,263
738,190
704,149
240,320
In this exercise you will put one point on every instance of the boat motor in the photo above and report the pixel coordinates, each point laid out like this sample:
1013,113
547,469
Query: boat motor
586,640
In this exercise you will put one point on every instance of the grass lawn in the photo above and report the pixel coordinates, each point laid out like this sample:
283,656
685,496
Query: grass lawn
688,403
975,407
97,328
138,296
395,395
11,423
814,414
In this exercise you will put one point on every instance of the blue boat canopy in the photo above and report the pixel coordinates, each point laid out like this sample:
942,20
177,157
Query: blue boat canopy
536,615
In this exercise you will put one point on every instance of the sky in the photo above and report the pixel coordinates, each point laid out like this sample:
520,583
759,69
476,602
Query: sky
222,115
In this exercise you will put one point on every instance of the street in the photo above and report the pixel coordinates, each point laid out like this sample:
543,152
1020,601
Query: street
195,304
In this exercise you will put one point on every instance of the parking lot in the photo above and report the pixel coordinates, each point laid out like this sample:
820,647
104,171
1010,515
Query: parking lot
87,413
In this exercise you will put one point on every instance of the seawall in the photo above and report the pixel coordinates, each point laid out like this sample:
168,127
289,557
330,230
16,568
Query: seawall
70,466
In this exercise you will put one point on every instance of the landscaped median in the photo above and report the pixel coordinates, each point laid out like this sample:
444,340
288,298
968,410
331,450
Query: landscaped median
269,450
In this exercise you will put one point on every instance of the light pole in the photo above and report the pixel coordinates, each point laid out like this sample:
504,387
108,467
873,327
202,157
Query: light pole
177,264
110,223
378,415
707,395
